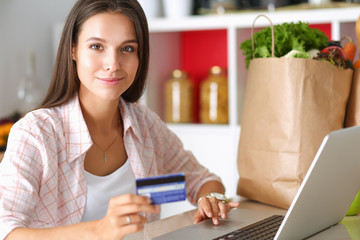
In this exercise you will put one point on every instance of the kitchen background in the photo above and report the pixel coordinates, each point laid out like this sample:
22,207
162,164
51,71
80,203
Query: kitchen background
28,26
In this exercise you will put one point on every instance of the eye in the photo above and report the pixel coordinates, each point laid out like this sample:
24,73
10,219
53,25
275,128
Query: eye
128,49
96,47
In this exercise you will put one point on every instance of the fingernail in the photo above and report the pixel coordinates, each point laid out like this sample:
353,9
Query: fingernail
216,221
223,216
209,214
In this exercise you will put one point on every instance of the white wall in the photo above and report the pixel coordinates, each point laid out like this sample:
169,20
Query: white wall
26,25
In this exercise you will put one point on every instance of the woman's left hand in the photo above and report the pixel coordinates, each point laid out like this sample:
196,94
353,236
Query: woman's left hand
213,208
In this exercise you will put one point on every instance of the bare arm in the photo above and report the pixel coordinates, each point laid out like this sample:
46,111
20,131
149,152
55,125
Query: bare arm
211,186
123,218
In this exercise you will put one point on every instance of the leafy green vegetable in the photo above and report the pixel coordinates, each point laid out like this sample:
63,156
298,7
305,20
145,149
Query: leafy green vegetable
297,54
313,52
288,36
335,57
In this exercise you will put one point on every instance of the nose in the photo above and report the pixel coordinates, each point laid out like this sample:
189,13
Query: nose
112,61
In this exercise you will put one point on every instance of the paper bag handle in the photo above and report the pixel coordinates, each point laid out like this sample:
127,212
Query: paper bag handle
272,35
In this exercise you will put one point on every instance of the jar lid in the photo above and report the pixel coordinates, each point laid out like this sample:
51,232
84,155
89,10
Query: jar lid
216,70
178,74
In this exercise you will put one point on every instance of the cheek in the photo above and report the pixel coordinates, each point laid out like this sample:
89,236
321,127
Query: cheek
86,65
87,62
134,65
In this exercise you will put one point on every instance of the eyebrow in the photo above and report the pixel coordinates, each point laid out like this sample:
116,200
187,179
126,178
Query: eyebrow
103,40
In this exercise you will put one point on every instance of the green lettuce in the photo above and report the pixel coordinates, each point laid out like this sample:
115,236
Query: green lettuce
297,54
287,37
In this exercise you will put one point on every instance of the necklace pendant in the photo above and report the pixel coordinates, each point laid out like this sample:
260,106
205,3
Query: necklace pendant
105,157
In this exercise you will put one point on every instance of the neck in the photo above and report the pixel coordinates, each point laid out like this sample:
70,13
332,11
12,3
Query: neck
101,116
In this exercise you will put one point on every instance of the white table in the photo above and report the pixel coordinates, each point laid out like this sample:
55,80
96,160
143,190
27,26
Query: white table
349,225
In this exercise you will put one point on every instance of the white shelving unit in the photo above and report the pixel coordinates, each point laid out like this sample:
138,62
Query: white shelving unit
215,146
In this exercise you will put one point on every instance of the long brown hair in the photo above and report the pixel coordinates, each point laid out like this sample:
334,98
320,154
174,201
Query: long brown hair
65,83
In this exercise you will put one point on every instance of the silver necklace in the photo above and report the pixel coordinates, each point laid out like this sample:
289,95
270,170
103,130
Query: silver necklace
105,152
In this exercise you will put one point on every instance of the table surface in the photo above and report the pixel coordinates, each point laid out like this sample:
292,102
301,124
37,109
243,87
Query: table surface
348,228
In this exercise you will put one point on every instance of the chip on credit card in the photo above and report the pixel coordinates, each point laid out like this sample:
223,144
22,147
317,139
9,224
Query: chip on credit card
163,188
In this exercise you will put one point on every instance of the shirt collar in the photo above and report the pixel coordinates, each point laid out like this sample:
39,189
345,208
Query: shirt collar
76,131
77,135
129,119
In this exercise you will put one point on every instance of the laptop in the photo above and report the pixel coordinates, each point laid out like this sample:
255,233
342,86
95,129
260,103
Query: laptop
325,195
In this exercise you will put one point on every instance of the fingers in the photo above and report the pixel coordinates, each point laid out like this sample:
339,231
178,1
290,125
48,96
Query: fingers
124,216
129,198
206,207
199,216
130,204
213,208
127,209
121,221
226,207
123,225
223,209
118,221
133,219
234,204
204,211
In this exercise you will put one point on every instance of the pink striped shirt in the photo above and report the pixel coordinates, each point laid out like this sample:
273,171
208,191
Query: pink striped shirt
42,179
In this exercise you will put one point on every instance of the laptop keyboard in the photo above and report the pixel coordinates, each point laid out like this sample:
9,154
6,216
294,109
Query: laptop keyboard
262,230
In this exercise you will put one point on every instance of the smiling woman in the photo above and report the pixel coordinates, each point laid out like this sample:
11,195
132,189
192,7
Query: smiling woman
70,167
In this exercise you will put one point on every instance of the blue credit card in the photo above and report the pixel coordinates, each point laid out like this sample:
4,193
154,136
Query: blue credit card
163,188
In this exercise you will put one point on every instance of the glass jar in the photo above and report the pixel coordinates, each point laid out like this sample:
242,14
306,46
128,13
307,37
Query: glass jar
222,6
29,89
214,97
179,98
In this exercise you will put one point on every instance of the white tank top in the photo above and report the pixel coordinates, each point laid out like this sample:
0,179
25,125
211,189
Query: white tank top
100,189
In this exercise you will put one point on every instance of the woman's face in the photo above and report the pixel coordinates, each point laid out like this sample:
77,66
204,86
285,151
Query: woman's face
106,56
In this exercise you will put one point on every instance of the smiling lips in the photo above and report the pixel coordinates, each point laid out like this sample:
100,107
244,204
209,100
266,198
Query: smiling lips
110,81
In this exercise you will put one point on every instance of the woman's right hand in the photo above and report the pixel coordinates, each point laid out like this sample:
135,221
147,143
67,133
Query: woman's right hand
124,216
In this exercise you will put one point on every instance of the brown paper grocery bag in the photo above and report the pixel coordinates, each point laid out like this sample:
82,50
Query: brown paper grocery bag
290,105
353,108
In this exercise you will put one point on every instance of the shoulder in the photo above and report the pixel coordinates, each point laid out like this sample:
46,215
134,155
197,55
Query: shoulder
150,126
39,132
145,122
41,121
142,113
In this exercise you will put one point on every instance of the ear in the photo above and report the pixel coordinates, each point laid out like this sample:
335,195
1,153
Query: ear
73,55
